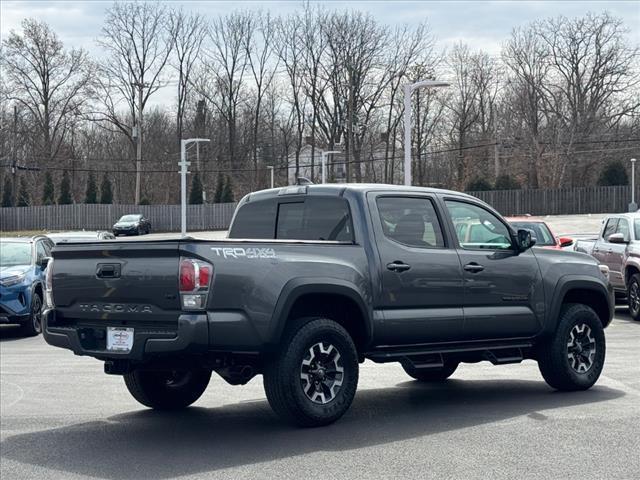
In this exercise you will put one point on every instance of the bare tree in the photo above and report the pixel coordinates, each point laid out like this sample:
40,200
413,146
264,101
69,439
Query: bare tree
263,63
51,83
138,41
189,31
462,104
291,55
593,71
226,64
527,61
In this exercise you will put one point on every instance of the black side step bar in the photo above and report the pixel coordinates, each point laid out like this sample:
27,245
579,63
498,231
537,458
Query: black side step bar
433,356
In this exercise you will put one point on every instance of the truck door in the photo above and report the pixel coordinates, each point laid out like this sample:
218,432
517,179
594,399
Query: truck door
602,247
616,253
503,294
421,277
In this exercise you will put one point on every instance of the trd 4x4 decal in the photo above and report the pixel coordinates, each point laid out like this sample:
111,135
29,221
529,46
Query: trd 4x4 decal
238,252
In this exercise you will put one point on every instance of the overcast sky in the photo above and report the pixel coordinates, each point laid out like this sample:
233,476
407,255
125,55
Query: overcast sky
482,24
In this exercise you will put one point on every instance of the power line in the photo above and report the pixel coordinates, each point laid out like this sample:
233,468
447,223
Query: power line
293,167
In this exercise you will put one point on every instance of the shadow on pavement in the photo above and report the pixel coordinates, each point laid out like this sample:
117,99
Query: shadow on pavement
10,332
149,444
622,315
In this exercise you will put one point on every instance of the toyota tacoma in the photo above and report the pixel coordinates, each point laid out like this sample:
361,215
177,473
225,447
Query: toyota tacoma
315,279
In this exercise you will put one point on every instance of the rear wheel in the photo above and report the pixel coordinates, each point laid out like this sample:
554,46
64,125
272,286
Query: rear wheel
167,389
313,380
33,326
431,374
574,357
633,296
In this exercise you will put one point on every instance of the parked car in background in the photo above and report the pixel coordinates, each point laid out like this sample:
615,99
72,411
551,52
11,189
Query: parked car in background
544,236
80,236
22,265
132,224
618,247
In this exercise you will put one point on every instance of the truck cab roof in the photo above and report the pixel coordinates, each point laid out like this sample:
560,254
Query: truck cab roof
339,189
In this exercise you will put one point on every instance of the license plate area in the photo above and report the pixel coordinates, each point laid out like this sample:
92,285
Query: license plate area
119,339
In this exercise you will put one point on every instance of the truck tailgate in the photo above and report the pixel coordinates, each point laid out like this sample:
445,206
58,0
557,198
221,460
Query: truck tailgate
132,282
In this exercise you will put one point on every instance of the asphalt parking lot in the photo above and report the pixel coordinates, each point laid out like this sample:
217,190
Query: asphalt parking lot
61,417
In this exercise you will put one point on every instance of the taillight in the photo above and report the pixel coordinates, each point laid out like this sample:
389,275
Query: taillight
194,283
187,276
48,285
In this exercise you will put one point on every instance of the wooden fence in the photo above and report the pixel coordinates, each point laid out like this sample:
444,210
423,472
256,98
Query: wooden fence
560,201
102,217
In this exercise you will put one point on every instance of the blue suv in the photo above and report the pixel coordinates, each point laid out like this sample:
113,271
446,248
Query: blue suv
22,265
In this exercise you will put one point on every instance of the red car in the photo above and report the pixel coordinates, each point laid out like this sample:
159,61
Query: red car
544,236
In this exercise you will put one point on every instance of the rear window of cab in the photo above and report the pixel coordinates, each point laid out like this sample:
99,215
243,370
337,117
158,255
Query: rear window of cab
310,218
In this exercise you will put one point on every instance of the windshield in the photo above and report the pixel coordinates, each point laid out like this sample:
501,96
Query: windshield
129,218
15,253
540,231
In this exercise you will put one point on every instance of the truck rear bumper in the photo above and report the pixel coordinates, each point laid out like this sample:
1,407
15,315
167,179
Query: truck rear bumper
191,336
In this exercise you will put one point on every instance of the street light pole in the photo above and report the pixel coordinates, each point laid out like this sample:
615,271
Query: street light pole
183,180
324,164
270,167
633,206
408,90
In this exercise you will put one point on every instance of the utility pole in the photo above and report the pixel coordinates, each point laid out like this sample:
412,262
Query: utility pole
270,167
349,126
408,90
496,146
633,206
324,164
138,134
183,164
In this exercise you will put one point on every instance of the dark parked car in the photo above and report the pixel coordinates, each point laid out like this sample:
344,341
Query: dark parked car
315,279
22,265
132,224
80,236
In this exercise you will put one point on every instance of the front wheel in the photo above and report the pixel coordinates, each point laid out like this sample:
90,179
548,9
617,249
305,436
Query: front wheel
167,389
313,380
33,326
633,296
431,374
574,357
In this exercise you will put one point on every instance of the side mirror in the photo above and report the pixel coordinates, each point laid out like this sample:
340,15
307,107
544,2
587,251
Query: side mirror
617,238
43,262
565,241
525,240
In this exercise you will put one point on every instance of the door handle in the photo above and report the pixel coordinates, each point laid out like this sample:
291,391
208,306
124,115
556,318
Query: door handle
398,266
473,267
609,250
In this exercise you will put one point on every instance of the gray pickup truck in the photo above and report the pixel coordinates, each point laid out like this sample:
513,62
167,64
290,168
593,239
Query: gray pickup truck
618,247
315,279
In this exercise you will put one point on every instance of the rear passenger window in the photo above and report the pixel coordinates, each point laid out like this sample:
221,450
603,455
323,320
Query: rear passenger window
410,221
315,218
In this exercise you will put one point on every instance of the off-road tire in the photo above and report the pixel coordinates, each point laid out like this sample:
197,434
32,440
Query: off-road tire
289,393
33,326
554,362
431,374
155,389
633,296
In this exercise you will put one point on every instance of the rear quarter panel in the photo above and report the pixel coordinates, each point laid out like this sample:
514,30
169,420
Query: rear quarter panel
251,278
